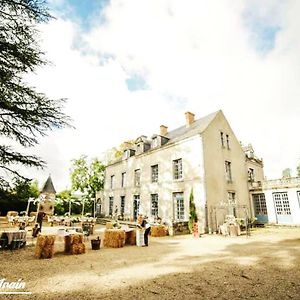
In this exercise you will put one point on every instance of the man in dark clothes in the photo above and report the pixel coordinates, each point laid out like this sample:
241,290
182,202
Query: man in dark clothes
40,218
147,228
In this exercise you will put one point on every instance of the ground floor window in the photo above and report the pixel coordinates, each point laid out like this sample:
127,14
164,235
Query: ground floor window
122,205
298,194
259,202
154,205
111,205
136,206
179,206
282,204
231,204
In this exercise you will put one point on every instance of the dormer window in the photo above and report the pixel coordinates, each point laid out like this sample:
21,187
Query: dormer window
125,154
139,148
142,144
154,142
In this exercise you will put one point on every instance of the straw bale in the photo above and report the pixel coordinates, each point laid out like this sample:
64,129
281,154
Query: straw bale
50,239
77,249
41,241
45,246
74,244
130,237
114,238
158,231
109,225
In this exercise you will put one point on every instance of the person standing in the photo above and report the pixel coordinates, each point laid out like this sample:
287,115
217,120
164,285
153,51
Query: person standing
147,228
40,218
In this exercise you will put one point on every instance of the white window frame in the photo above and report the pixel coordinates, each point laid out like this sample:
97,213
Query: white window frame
154,205
177,169
137,177
154,173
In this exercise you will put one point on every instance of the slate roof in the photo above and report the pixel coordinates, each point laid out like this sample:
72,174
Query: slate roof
48,186
197,127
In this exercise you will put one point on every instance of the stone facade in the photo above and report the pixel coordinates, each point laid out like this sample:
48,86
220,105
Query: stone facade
277,201
158,176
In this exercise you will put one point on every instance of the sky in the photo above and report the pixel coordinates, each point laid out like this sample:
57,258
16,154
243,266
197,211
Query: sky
129,66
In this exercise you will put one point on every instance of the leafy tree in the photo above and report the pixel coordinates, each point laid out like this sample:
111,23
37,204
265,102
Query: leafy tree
286,173
66,203
16,197
87,177
193,214
25,113
298,171
117,152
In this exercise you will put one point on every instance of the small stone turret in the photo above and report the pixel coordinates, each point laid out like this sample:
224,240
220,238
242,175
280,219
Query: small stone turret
47,197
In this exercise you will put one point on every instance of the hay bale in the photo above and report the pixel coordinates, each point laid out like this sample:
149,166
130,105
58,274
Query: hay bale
114,238
74,244
130,237
45,246
109,225
158,231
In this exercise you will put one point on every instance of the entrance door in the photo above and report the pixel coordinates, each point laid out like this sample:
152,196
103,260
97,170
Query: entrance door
136,206
282,208
260,208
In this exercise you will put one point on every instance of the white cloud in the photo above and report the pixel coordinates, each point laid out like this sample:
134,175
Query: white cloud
194,55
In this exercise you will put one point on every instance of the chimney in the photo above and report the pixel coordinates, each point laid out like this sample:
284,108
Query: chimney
163,130
190,118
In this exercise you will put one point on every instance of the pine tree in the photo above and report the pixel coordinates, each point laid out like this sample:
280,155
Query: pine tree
25,114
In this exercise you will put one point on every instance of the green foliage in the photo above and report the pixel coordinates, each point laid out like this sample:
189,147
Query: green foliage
66,203
25,113
286,173
16,197
298,171
118,152
88,178
193,214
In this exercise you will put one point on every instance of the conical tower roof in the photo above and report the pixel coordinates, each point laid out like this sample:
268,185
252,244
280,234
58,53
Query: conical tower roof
48,186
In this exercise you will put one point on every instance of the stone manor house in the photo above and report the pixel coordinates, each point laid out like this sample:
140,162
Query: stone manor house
203,158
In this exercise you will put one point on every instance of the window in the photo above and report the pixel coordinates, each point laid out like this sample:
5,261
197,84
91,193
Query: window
123,181
139,148
298,194
179,206
154,173
227,141
136,206
231,198
222,139
154,205
177,169
112,181
125,154
137,177
122,205
250,174
231,204
111,205
228,171
282,204
260,207
154,142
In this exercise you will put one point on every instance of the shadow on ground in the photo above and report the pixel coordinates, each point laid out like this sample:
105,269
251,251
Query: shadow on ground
250,270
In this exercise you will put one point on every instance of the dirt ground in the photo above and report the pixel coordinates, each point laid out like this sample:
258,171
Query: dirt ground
265,265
